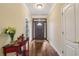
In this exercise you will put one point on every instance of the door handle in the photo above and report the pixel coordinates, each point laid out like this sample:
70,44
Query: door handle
62,32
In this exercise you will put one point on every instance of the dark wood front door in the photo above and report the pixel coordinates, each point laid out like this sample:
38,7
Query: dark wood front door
39,29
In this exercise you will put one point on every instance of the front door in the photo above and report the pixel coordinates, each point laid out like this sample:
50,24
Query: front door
39,29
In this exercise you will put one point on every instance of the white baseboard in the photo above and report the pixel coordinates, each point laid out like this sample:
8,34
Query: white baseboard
56,50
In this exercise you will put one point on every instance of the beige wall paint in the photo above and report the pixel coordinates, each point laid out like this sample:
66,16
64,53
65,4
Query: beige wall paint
13,15
54,27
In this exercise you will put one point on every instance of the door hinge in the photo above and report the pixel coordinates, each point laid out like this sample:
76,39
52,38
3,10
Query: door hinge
62,32
62,52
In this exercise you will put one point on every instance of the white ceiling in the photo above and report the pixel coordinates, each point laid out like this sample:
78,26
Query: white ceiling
37,12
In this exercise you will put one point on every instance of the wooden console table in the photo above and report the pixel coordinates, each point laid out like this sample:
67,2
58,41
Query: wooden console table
11,48
16,48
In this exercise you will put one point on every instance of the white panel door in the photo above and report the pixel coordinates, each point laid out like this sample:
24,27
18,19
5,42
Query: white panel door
77,51
70,23
69,51
68,26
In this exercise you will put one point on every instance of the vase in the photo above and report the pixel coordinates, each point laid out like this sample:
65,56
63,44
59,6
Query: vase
12,37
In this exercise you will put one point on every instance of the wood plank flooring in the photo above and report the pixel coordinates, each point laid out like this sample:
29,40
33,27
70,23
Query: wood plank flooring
41,48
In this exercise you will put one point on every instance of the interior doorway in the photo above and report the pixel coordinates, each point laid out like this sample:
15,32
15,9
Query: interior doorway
39,28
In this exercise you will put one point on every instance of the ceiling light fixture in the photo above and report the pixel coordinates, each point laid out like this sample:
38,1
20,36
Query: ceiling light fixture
39,6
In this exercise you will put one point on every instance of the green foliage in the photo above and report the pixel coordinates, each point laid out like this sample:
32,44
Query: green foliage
10,30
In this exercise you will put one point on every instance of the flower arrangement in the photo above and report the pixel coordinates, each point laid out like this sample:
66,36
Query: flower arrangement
11,32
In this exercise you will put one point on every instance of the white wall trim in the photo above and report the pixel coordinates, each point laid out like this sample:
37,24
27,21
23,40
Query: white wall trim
53,6
27,8
24,5
56,50
39,16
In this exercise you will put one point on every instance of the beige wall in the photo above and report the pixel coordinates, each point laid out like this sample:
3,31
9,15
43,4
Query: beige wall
54,27
13,15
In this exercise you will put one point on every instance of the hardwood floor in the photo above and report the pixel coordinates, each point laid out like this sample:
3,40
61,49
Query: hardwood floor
41,48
